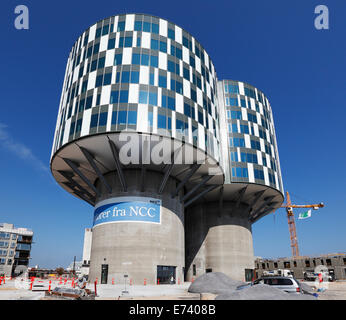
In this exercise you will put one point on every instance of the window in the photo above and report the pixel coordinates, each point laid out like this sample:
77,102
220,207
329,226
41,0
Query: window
234,114
181,126
162,81
233,128
105,29
121,26
124,96
144,59
185,42
240,172
255,145
4,235
153,98
187,110
163,46
178,53
138,25
154,61
94,120
118,59
171,103
134,76
171,34
103,119
125,77
132,117
287,264
192,62
171,66
146,26
114,97
232,88
307,263
161,121
200,118
150,119
125,42
143,97
154,44
2,260
155,28
84,86
250,92
128,42
3,253
193,269
193,95
114,117
234,156
237,142
88,103
96,48
99,80
122,117
111,44
259,174
328,262
107,79
252,117
136,58
275,264
186,74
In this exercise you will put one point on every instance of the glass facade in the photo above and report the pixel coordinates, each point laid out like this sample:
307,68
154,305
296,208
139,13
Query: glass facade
131,65
252,150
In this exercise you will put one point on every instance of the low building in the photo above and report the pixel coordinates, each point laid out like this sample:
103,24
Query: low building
335,262
15,247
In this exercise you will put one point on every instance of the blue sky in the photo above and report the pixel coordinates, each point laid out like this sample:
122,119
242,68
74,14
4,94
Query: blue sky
270,44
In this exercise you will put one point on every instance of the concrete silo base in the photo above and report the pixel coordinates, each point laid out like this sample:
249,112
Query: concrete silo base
139,249
218,241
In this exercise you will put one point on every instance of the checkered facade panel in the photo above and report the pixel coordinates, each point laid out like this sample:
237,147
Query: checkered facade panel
250,150
142,73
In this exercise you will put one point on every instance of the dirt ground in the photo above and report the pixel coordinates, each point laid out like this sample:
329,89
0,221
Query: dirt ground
335,291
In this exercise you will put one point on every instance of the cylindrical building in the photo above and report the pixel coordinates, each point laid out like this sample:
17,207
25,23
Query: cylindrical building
137,137
218,233
176,164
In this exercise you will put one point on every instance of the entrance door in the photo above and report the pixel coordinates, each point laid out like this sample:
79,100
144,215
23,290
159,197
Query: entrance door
165,274
104,273
249,275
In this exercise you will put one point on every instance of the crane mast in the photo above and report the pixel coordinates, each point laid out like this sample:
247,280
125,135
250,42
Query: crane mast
292,224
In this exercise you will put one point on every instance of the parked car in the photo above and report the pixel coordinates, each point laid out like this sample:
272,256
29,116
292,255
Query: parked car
312,276
288,284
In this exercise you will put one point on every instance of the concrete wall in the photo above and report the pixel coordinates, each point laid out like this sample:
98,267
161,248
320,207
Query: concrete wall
221,241
134,248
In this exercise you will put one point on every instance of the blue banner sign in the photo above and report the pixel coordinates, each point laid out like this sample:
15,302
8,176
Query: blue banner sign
128,209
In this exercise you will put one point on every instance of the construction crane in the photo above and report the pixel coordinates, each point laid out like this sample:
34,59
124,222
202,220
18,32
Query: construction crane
291,222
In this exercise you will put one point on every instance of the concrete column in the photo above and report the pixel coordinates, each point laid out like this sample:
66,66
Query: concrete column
137,248
218,241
